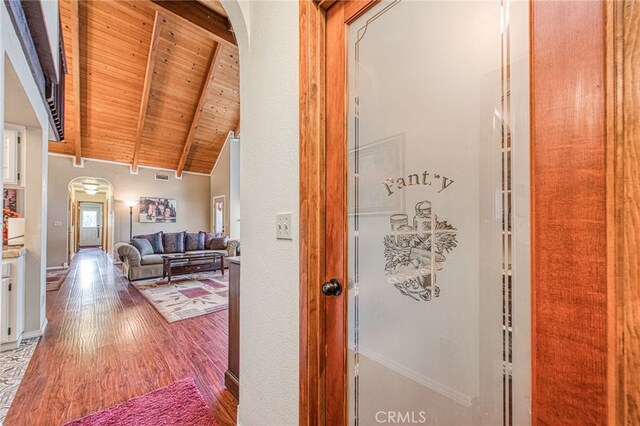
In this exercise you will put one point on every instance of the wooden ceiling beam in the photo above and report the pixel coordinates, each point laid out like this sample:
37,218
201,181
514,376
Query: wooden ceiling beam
325,4
146,88
215,60
75,72
201,16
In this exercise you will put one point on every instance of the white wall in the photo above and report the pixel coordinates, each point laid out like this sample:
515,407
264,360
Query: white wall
220,183
234,187
24,105
191,193
269,328
36,226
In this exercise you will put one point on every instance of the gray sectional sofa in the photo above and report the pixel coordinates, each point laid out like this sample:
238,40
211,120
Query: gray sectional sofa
137,266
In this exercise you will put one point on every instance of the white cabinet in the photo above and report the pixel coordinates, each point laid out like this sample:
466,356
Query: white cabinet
12,303
12,158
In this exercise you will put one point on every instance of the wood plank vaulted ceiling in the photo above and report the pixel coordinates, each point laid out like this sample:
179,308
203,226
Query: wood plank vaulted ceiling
155,87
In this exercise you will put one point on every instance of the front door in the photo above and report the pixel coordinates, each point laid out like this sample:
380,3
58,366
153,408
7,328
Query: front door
428,141
90,225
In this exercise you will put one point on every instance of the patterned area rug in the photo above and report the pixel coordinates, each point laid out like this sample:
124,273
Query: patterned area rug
188,296
13,364
55,279
178,404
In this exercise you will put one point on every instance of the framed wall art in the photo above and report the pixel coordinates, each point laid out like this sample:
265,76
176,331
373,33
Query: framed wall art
158,210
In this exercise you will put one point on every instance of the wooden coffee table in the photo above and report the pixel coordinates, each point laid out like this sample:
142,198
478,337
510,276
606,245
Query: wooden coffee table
188,263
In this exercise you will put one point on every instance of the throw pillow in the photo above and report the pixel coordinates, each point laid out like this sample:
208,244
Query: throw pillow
143,245
208,236
218,243
194,241
155,240
173,242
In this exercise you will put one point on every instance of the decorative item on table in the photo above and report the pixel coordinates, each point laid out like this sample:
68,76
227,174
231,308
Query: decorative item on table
158,210
6,215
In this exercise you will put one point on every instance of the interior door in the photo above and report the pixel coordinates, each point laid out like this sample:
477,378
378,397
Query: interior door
90,225
427,214
218,214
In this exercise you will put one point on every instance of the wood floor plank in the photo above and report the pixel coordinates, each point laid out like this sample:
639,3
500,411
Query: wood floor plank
106,344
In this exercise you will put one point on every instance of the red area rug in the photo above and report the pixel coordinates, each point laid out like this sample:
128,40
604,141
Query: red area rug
175,405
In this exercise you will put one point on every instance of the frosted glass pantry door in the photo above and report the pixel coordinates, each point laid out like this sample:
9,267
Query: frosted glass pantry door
432,119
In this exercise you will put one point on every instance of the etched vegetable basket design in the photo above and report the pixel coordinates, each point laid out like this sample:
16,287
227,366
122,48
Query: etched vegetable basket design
414,253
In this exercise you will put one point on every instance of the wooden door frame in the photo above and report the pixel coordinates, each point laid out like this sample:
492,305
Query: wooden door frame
619,143
312,221
623,149
77,213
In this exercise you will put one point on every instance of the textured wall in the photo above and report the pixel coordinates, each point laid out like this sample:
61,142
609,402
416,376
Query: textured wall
23,105
220,183
234,188
269,184
191,193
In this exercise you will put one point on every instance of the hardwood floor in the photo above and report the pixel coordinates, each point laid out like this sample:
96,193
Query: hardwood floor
106,344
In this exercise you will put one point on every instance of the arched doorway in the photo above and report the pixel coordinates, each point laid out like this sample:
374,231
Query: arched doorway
90,203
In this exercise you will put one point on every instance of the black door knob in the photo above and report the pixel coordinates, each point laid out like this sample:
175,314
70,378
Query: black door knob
332,288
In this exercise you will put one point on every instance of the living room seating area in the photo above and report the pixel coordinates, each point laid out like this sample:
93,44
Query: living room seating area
142,257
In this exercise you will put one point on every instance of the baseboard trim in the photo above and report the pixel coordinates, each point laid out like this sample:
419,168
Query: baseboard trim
56,268
232,383
36,333
32,334
453,394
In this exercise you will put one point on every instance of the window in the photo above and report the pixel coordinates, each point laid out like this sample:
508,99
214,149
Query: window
89,218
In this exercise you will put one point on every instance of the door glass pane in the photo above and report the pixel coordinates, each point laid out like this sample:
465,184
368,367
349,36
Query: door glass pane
219,216
438,214
89,218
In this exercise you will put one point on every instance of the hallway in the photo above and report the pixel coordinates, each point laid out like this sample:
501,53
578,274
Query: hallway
106,344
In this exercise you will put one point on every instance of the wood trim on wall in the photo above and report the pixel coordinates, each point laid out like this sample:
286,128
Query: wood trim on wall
612,105
569,221
312,220
335,356
623,71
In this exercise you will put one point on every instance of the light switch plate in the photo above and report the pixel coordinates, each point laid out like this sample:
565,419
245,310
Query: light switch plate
57,223
283,226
